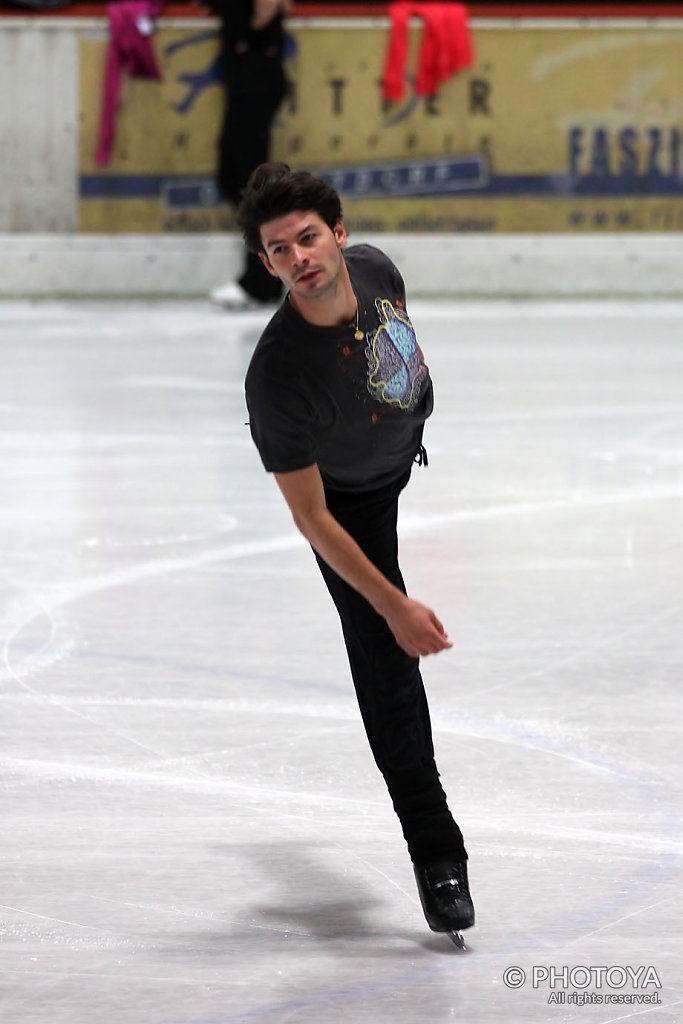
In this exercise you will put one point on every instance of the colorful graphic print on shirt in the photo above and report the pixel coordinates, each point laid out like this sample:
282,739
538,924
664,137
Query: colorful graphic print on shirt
395,367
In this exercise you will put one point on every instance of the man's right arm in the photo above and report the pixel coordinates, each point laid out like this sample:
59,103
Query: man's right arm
416,627
266,10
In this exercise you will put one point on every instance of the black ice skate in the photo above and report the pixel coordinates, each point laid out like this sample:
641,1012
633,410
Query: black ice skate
445,897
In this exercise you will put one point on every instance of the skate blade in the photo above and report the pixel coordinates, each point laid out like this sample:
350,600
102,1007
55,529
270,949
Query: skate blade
458,940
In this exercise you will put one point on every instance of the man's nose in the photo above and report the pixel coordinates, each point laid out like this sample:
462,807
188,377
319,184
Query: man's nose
299,256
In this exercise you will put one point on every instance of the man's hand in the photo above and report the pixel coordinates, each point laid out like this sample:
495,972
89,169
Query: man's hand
266,10
416,628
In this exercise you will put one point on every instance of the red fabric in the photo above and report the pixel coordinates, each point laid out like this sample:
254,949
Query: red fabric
446,47
129,50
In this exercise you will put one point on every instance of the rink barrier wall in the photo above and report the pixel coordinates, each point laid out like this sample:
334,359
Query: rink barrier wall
173,266
609,161
44,254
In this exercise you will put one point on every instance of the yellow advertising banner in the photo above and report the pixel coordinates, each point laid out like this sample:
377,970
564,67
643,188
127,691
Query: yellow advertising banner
556,129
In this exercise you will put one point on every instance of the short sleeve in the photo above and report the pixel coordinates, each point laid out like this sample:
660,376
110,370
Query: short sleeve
281,424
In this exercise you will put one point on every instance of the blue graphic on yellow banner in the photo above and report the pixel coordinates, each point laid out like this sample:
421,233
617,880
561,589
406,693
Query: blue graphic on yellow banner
196,81
636,161
427,177
395,368
443,176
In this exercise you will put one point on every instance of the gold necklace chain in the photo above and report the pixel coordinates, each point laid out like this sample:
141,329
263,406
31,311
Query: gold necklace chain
358,334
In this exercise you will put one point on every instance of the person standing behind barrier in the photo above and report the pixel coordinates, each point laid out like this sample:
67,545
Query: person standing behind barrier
252,42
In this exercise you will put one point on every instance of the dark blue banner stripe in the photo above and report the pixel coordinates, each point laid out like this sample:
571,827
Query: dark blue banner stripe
180,192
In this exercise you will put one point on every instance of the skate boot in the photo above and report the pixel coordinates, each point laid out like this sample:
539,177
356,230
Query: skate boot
445,897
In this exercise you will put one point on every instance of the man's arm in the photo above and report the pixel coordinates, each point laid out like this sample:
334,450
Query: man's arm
266,10
416,627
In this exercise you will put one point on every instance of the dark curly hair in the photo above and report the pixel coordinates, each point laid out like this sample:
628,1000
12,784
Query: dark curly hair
274,190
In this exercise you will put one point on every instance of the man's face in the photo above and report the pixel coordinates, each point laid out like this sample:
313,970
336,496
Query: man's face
304,253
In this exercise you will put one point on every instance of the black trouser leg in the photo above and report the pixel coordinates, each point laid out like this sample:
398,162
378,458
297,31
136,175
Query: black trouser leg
256,280
388,683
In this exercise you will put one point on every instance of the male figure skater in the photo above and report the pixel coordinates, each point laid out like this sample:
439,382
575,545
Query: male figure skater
338,393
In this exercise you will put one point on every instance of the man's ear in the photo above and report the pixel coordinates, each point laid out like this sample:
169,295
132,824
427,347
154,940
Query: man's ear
267,264
340,233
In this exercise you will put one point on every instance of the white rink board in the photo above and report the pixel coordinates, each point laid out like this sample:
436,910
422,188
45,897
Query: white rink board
175,266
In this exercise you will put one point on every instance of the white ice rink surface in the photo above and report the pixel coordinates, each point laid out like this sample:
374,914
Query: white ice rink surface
193,829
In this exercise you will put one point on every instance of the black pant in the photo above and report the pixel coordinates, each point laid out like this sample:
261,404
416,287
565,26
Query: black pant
255,84
387,681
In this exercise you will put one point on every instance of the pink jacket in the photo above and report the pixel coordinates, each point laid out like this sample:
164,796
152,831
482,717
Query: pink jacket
446,46
130,49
